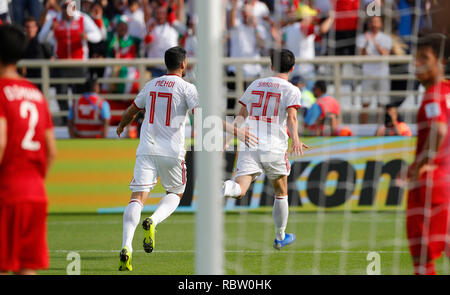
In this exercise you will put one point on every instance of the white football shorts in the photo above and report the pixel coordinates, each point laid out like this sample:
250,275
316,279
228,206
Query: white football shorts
256,162
148,168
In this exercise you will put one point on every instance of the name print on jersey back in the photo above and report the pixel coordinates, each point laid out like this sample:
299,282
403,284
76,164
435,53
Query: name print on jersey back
166,101
267,101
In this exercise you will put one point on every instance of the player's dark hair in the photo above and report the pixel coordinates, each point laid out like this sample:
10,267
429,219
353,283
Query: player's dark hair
282,60
174,57
437,42
13,44
321,85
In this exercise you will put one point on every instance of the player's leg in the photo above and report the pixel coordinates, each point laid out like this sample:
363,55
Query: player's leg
247,169
131,217
427,228
277,168
144,179
34,250
168,204
173,178
238,187
280,213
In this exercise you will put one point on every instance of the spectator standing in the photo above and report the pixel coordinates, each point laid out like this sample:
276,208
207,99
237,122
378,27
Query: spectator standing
346,25
21,7
4,11
50,11
89,116
98,50
246,39
121,45
161,36
115,7
189,42
71,32
136,24
374,42
99,18
34,49
299,37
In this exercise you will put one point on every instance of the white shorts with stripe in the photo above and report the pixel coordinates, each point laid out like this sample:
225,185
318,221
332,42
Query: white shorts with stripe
274,165
148,168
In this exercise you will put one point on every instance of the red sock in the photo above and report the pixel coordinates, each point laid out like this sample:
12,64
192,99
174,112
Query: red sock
428,268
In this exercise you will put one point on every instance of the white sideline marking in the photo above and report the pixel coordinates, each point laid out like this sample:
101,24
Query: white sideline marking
75,222
239,251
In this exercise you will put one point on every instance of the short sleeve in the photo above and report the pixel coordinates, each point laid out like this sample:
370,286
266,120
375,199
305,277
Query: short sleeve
141,98
192,99
434,111
294,99
106,111
361,41
246,97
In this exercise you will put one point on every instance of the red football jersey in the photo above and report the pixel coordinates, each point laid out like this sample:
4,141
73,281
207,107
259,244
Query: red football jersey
435,107
24,163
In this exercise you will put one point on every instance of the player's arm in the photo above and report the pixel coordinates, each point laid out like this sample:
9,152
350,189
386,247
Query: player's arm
292,124
434,141
242,134
3,137
127,117
51,146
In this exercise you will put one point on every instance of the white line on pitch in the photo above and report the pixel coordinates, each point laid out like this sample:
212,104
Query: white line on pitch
240,251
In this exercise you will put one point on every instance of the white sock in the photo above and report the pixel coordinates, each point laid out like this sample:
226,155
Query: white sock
166,206
231,189
280,216
131,218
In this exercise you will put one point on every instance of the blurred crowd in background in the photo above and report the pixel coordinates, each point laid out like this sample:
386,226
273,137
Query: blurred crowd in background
126,29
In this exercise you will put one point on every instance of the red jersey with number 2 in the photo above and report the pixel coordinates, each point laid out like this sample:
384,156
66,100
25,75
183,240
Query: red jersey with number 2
24,163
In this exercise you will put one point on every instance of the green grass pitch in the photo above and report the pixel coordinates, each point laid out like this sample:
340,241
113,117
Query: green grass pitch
328,243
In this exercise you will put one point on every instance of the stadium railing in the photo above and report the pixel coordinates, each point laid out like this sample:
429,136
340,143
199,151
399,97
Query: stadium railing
343,86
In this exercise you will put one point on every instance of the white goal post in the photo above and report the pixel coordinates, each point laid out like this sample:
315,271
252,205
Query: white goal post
209,252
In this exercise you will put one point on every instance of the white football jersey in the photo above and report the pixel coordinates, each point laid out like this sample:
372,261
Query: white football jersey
166,101
267,101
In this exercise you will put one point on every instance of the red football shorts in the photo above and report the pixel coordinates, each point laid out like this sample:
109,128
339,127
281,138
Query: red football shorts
23,236
427,223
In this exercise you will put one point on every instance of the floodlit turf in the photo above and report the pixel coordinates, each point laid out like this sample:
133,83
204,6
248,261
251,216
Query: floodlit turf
328,243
